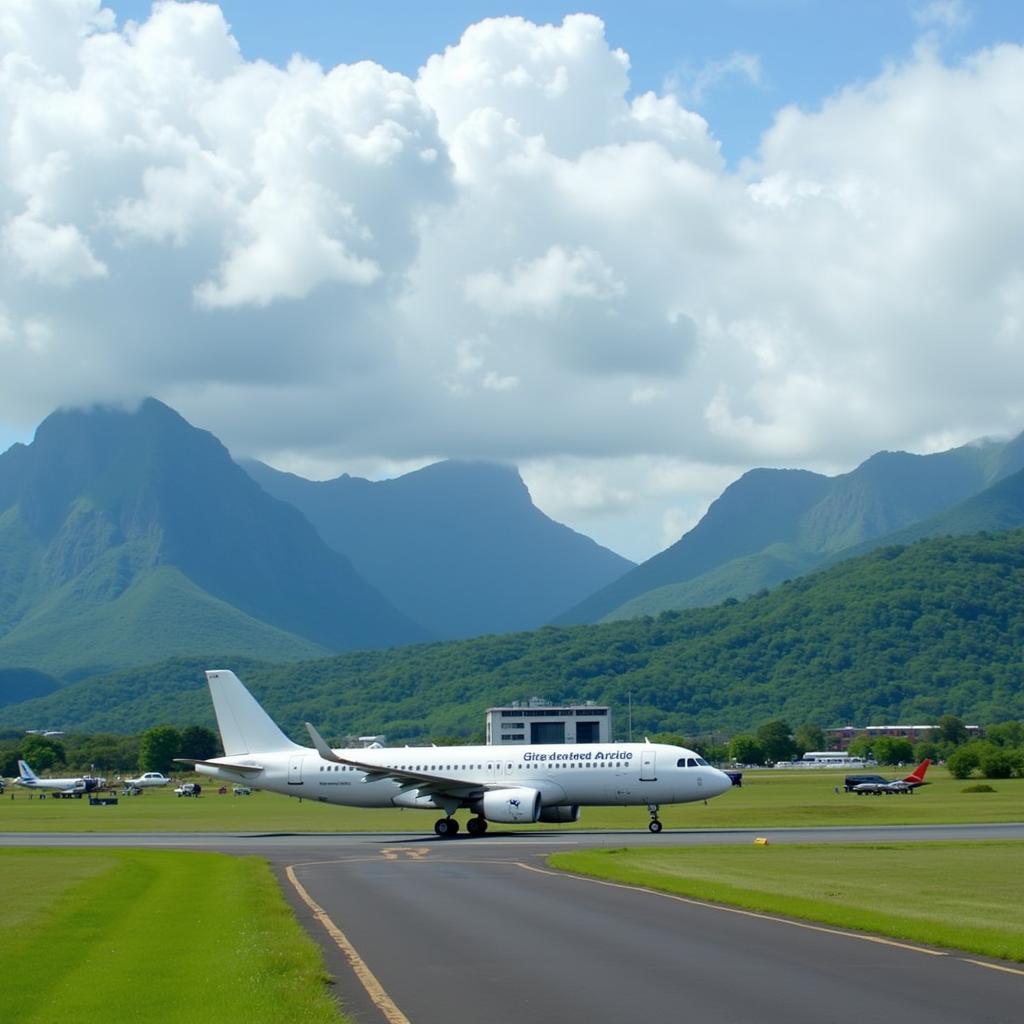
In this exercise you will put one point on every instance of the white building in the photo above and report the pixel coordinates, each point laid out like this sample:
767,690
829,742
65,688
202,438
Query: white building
537,721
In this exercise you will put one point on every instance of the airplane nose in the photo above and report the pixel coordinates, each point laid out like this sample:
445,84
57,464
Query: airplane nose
720,782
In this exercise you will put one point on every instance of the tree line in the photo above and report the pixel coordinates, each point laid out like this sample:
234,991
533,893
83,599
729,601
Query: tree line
108,753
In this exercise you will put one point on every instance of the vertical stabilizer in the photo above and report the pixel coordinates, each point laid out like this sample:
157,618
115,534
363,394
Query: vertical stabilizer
26,773
245,728
916,777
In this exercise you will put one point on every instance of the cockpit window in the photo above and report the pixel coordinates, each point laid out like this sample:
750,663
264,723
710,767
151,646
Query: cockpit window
688,762
702,762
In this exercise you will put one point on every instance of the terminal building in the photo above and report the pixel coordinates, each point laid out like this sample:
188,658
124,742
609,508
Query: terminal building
537,721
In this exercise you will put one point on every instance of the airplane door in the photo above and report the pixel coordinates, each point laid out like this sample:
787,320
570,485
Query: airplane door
295,770
647,765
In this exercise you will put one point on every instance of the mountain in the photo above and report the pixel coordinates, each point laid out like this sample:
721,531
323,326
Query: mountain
997,508
905,633
129,536
457,546
774,524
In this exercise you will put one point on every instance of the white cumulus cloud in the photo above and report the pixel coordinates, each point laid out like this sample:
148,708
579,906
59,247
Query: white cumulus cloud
510,256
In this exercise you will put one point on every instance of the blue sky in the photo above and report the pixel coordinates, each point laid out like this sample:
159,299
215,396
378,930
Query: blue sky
786,234
807,49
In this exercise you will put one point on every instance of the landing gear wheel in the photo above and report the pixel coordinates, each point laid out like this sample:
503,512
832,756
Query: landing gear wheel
446,827
476,826
655,825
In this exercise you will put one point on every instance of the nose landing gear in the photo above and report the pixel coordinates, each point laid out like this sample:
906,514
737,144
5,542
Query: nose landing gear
655,825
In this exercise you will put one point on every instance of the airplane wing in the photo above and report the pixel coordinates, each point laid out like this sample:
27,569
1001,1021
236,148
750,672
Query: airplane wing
410,779
245,769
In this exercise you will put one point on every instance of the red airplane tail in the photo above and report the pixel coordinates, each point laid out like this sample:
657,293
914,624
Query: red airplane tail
916,777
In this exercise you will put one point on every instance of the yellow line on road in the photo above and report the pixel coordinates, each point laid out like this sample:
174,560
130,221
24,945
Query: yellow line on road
366,977
995,967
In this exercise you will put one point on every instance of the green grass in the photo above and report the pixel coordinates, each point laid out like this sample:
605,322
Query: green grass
965,896
793,798
154,936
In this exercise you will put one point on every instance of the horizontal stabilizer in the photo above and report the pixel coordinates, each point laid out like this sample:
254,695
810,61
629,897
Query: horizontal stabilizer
245,769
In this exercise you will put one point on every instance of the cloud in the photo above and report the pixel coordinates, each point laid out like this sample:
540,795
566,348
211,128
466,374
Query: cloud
949,15
692,86
507,257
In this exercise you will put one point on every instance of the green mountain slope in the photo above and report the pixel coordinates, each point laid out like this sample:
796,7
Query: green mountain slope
905,633
160,614
457,546
773,524
103,503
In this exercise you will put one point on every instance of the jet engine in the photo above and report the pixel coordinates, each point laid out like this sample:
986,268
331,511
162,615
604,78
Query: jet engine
511,806
560,813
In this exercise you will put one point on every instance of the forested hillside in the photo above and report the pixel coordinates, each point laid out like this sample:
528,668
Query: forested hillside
128,536
903,633
775,524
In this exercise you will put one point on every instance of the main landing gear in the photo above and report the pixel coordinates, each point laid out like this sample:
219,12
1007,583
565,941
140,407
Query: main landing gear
655,825
446,828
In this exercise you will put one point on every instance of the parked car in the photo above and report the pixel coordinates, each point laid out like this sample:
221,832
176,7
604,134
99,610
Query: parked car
241,790
188,789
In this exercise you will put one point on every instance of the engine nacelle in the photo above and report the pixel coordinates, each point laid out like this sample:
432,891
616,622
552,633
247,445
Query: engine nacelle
511,806
560,813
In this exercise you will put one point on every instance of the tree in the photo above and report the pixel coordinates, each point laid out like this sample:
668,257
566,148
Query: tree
892,750
746,749
199,743
158,749
952,729
42,753
1006,734
997,763
963,761
776,739
860,746
809,736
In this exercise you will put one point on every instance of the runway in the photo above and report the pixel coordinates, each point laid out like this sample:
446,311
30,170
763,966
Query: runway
480,930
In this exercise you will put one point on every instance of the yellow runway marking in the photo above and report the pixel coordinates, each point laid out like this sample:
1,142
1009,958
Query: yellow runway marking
995,967
367,978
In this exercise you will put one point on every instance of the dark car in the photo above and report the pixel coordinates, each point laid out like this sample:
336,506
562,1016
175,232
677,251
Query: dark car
856,780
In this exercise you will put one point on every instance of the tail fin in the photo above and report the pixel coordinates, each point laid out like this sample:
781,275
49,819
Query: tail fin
916,777
25,773
245,728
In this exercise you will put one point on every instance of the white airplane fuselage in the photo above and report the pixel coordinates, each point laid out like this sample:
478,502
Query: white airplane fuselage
600,774
505,784
81,784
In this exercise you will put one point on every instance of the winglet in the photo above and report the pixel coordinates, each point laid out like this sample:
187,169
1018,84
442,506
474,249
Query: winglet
321,745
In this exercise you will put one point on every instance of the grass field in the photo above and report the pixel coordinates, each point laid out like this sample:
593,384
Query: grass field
229,949
767,798
959,895
95,937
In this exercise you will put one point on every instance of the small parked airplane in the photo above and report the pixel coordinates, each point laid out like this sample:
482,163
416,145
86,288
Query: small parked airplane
145,780
79,785
861,784
510,785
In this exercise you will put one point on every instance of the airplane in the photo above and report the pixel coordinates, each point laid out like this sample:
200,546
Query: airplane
861,784
507,785
145,780
74,787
